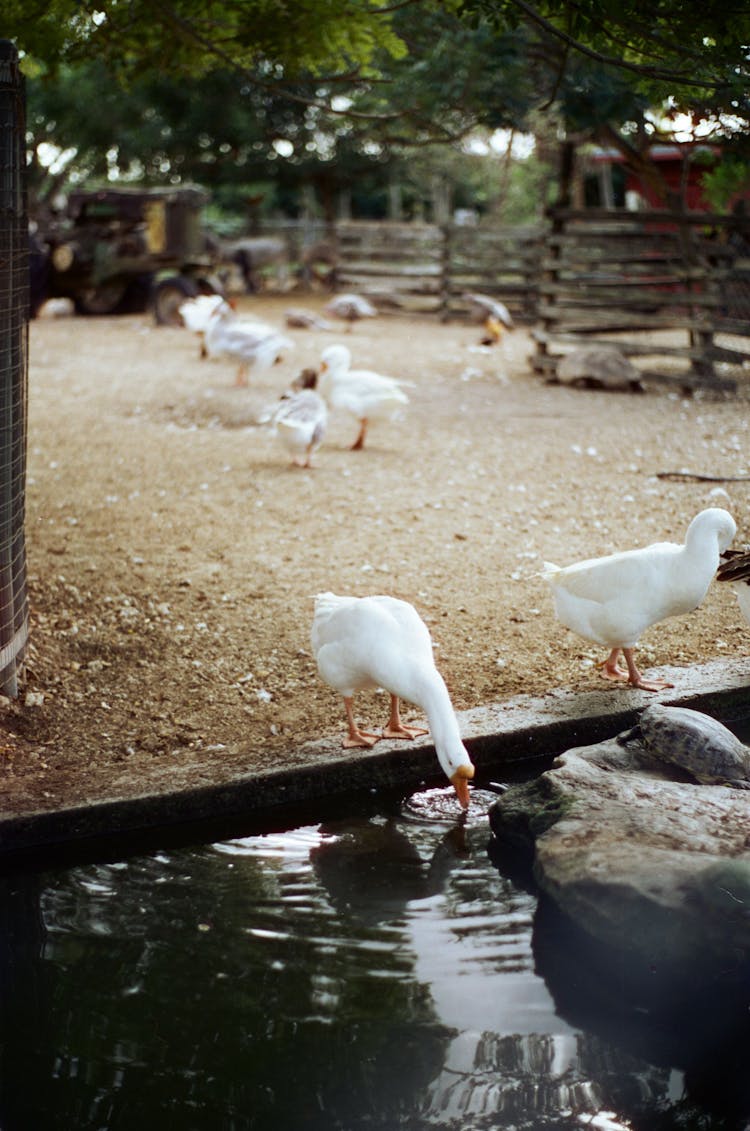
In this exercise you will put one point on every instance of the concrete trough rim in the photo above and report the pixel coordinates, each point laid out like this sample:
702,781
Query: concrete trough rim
499,736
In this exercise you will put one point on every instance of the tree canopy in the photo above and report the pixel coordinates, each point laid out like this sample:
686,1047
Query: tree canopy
192,37
207,88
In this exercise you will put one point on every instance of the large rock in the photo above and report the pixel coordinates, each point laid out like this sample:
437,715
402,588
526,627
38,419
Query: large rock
656,868
599,367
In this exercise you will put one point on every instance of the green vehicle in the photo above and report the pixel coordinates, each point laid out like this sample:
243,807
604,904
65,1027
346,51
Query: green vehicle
123,250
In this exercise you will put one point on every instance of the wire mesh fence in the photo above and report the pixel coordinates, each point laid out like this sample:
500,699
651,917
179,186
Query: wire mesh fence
14,623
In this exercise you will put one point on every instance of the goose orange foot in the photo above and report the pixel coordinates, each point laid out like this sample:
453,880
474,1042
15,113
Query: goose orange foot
612,670
355,736
360,738
403,731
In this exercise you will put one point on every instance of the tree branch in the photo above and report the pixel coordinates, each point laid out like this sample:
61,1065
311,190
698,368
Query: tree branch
645,71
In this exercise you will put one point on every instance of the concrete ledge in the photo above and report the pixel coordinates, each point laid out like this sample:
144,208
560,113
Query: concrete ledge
505,737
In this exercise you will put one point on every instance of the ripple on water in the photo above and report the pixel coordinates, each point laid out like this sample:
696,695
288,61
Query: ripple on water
439,806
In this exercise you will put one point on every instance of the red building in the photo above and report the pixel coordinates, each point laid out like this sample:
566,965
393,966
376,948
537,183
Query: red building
608,183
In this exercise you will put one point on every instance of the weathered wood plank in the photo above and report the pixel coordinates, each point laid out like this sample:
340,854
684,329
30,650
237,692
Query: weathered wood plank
732,326
394,283
408,270
642,348
578,324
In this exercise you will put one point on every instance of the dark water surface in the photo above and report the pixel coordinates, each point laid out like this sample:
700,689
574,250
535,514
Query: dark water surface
379,972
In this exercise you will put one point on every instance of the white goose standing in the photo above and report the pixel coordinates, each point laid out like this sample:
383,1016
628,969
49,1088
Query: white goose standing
300,423
614,599
379,641
361,392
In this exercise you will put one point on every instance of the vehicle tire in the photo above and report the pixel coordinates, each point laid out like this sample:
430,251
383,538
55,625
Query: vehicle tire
169,295
104,299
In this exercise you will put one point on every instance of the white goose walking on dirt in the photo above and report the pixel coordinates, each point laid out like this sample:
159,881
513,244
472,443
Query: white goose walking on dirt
366,395
379,641
350,308
252,343
298,319
614,599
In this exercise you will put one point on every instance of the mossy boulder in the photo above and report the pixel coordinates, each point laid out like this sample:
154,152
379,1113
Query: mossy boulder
658,869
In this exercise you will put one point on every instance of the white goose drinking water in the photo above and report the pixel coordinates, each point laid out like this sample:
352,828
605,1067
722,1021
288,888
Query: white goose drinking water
614,599
379,641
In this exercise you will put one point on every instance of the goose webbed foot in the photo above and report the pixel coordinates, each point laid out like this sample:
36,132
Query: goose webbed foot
403,731
356,737
612,670
360,738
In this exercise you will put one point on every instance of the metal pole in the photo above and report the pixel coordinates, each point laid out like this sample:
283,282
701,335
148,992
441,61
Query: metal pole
13,371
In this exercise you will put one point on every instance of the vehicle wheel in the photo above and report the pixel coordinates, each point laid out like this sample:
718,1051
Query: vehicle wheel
104,299
169,296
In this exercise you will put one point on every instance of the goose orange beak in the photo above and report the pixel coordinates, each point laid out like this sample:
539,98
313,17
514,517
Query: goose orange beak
460,782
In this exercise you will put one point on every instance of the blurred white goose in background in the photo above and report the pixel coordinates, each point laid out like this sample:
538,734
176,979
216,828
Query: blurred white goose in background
298,319
350,308
251,342
366,395
614,599
379,641
491,313
300,423
196,313
735,568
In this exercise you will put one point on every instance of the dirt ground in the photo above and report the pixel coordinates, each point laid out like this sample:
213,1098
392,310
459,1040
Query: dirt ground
174,553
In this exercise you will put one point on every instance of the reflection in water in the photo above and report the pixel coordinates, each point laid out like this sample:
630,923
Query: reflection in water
705,1030
371,973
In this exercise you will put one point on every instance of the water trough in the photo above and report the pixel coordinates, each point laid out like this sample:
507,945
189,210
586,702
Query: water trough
508,735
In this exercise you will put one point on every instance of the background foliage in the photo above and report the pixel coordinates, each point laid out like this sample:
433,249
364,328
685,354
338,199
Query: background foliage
274,105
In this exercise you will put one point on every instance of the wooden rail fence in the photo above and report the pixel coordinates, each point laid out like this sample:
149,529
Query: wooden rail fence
425,268
664,287
428,267
670,290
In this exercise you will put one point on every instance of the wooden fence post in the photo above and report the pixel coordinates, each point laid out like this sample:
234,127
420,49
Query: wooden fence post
701,332
445,273
547,295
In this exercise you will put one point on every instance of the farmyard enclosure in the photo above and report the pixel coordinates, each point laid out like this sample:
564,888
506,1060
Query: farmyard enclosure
173,553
